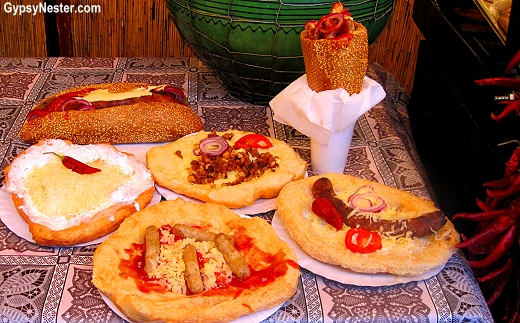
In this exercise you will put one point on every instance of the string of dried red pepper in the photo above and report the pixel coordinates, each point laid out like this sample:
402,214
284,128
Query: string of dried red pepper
512,106
493,248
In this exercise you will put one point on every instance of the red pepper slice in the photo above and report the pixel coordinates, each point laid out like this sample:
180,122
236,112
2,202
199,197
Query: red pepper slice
56,104
325,210
328,24
253,140
347,36
362,241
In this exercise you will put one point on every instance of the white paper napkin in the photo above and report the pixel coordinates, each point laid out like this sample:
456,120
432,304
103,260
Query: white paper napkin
310,112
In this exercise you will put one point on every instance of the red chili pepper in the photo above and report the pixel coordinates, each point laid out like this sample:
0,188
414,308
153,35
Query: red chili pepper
75,165
483,206
499,225
482,248
514,60
323,208
362,241
513,189
503,246
504,182
513,164
253,140
480,216
513,106
514,315
498,289
497,272
510,83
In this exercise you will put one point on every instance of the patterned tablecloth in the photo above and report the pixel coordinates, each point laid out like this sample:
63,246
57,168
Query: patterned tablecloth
43,284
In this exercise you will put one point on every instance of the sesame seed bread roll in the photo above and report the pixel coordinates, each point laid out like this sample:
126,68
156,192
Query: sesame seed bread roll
64,207
139,116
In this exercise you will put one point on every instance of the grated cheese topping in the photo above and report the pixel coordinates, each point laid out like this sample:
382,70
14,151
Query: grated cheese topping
170,270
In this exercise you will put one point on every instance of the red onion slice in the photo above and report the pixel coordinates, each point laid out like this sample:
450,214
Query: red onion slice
362,190
368,202
213,146
173,92
73,104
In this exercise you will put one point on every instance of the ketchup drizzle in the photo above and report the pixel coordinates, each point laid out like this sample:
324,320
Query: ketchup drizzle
261,275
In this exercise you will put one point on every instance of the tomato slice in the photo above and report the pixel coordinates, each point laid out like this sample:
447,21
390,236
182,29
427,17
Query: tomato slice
253,140
55,105
362,241
325,210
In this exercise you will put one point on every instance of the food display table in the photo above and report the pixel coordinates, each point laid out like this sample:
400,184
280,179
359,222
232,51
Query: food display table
44,284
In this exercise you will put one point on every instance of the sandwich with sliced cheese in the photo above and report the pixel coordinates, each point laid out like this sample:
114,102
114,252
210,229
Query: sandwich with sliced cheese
112,113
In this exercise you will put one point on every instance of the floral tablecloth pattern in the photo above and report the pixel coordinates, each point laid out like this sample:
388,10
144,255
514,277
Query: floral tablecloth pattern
43,284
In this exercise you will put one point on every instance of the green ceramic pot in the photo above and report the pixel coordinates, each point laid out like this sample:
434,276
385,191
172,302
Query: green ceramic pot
253,47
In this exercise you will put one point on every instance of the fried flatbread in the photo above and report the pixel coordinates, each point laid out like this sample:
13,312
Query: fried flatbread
400,255
170,166
257,242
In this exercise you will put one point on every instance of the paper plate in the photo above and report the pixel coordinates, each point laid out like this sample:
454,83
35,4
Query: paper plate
251,318
260,206
341,274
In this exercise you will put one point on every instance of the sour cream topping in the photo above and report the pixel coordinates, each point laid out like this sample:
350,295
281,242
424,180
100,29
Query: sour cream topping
140,179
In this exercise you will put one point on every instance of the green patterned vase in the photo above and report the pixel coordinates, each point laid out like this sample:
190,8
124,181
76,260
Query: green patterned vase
253,47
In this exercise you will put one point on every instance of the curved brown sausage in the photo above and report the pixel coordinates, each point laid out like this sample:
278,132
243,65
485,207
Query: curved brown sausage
418,227
144,99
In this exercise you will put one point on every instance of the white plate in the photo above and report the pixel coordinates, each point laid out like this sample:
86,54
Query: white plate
15,223
341,274
251,318
260,206
139,150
